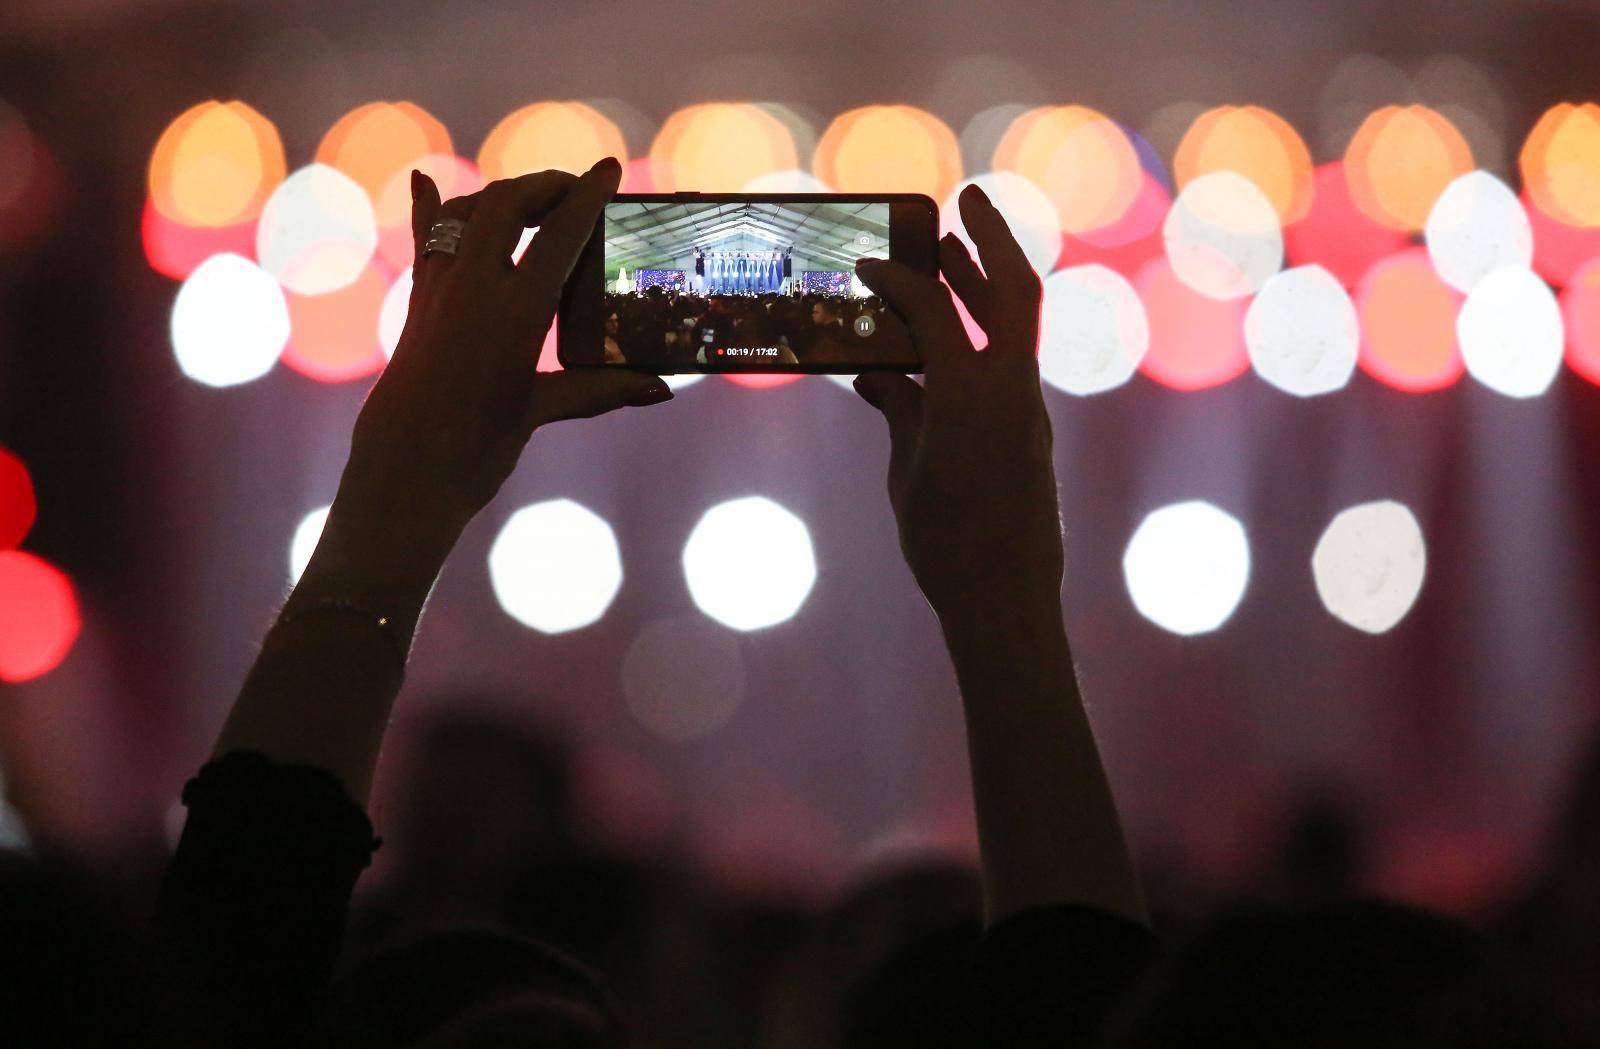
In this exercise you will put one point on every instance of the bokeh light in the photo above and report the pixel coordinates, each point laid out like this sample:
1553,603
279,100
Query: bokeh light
1559,250
39,618
758,381
392,314
1477,225
18,504
335,337
1093,330
175,250
1187,566
1256,144
719,147
1400,160
1083,162
1196,342
560,136
317,231
1510,332
215,165
1337,235
376,142
1560,163
555,566
230,322
792,181
1369,565
453,176
1302,333
1580,306
1127,244
304,541
1222,236
749,563
1025,208
1408,324
882,149
683,677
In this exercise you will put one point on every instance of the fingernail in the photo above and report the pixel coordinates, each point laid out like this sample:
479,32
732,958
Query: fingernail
416,183
977,191
862,391
607,162
956,242
868,260
651,395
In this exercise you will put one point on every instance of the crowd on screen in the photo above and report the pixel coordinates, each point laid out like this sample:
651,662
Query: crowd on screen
672,331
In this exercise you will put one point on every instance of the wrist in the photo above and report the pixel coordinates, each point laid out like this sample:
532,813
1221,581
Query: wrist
386,562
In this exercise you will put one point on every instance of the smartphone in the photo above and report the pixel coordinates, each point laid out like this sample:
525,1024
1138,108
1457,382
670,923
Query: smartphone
743,282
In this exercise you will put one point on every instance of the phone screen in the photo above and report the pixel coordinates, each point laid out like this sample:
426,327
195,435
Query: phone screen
746,286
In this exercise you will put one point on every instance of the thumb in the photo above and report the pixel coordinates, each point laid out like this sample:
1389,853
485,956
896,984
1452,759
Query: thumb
583,393
899,398
424,210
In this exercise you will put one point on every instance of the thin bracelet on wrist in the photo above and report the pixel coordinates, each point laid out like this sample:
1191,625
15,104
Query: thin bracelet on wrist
341,606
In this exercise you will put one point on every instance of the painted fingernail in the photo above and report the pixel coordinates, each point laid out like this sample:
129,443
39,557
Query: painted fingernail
864,391
977,191
650,395
416,183
607,162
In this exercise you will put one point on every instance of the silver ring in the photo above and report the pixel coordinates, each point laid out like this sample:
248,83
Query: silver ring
444,237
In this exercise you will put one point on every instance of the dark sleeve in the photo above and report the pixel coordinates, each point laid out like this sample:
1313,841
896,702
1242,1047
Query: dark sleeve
1049,975
254,902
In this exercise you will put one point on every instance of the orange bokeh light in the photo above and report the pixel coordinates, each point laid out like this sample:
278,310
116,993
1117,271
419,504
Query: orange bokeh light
1253,142
1400,160
454,177
1408,324
39,618
561,136
884,149
719,147
375,142
1560,164
1196,342
334,337
1081,159
215,165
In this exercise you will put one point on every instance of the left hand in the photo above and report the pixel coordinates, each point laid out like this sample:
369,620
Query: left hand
446,422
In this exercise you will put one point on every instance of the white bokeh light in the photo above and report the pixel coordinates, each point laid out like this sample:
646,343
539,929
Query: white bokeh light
790,181
230,322
555,566
1369,565
1093,330
1222,236
1475,227
1511,332
317,231
392,314
1302,332
306,535
749,563
683,677
678,382
1026,209
1187,566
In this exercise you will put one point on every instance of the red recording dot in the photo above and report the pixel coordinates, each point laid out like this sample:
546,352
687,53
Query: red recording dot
719,351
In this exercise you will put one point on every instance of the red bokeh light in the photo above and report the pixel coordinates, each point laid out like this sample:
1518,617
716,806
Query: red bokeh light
1130,242
1337,235
1580,307
17,504
758,380
175,250
1408,324
1196,342
1559,250
334,337
39,617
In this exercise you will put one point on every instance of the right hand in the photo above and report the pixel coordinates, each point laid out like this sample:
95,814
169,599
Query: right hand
971,477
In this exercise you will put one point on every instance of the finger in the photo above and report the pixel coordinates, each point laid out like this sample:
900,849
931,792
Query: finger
564,232
926,305
966,280
583,393
424,210
899,398
508,207
459,208
1014,284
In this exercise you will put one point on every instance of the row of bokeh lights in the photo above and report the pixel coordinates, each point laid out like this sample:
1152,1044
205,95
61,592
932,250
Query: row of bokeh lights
1400,257
39,618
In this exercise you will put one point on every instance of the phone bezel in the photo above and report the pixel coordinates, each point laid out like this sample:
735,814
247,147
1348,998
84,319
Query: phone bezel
913,240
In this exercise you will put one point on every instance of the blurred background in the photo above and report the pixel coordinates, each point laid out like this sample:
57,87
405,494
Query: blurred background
1321,345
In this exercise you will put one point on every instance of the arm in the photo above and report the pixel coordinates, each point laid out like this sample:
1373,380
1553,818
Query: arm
974,494
255,899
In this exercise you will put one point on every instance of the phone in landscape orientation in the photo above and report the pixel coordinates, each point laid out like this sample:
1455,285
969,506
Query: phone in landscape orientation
743,282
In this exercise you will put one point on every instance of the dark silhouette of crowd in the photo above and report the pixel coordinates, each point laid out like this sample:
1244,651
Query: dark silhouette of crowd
502,923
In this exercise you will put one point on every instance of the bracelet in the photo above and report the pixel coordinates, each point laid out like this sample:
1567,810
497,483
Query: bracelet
340,606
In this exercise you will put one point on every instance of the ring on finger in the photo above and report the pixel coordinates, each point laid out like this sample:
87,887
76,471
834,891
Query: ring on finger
444,237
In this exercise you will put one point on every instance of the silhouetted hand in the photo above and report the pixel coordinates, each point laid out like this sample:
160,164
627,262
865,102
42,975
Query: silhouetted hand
970,473
446,422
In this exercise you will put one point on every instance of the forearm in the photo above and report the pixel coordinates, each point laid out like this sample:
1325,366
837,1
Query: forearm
1047,823
321,690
